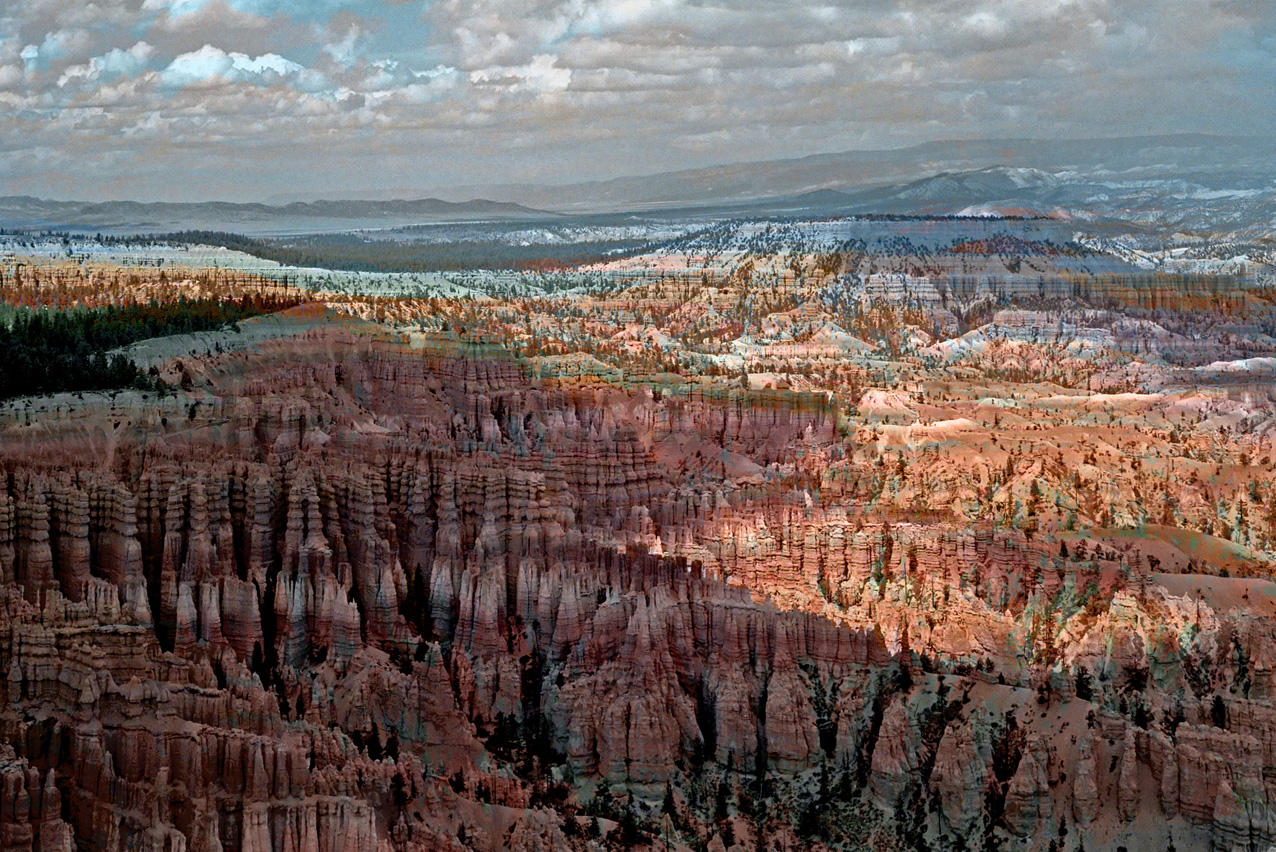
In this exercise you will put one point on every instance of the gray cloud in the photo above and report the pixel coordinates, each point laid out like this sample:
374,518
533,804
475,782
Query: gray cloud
251,98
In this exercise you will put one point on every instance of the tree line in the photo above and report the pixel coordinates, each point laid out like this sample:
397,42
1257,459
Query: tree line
45,351
355,253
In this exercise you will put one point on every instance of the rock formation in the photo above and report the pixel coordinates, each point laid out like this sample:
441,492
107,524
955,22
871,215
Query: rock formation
367,596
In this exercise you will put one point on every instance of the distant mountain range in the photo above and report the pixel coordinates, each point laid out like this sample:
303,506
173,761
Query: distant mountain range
1194,202
1209,162
1188,181
132,216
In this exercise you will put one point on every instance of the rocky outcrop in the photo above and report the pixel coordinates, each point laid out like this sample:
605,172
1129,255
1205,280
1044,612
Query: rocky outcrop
369,597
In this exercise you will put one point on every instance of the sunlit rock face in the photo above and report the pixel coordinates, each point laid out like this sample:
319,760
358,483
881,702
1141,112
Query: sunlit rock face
346,594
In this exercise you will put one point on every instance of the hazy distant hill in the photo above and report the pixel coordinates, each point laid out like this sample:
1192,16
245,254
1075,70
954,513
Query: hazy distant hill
1185,202
1099,175
27,212
996,189
1190,180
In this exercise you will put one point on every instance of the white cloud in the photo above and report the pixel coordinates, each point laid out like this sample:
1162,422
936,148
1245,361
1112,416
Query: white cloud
611,15
174,7
541,75
435,72
212,62
114,64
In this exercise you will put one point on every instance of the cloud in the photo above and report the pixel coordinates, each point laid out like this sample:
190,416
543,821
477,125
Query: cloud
343,51
212,62
157,91
109,65
540,75
174,7
174,31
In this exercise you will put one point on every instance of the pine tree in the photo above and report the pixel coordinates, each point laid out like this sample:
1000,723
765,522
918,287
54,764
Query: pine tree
1218,712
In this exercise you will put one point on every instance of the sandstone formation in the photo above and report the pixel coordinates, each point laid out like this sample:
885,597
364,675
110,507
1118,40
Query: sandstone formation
350,594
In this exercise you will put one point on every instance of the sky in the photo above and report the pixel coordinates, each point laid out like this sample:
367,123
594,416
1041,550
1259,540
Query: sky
248,100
